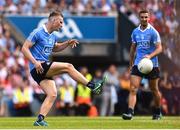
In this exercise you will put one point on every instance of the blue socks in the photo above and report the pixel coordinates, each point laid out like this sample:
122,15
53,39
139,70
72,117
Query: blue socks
40,117
130,111
91,85
157,111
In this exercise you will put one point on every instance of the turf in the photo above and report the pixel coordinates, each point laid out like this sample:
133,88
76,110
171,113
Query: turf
92,123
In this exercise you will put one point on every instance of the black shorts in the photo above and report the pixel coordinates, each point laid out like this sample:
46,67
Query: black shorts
154,74
39,77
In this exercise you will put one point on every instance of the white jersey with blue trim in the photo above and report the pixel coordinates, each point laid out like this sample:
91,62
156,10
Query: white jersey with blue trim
145,41
43,44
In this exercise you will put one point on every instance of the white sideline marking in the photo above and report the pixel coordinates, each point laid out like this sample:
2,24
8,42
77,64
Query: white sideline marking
86,129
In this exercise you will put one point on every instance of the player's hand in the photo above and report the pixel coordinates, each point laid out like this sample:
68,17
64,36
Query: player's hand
73,42
130,68
39,68
147,56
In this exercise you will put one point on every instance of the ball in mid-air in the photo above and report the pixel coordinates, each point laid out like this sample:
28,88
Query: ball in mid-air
145,66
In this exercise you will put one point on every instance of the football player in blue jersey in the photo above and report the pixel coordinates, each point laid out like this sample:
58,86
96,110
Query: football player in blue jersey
146,43
37,48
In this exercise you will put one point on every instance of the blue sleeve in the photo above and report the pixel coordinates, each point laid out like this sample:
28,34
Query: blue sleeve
156,37
33,37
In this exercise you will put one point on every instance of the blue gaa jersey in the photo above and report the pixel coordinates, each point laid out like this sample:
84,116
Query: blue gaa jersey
145,41
43,44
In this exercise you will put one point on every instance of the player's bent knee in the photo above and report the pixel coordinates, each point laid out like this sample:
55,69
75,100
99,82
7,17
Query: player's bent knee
133,90
52,95
70,66
154,90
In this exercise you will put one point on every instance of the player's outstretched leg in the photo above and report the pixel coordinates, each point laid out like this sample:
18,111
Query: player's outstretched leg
60,67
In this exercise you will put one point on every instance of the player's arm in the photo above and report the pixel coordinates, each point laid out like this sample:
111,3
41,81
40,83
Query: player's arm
158,45
132,55
61,46
132,50
157,51
26,51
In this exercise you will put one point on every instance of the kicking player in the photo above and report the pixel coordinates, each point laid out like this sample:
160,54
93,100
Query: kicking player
37,49
145,43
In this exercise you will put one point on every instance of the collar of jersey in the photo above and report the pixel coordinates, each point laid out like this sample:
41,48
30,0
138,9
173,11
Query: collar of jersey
148,27
45,29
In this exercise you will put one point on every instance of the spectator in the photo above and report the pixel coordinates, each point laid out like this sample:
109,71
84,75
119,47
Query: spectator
10,7
109,95
172,24
66,101
77,7
83,95
104,7
97,99
24,7
89,8
22,97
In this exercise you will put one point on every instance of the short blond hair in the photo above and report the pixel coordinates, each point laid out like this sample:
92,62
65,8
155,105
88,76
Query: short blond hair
55,13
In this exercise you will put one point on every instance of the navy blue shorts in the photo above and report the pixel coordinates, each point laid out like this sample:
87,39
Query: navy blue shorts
39,77
154,74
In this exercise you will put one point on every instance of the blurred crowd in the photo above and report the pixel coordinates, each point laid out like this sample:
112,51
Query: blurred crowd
21,96
68,7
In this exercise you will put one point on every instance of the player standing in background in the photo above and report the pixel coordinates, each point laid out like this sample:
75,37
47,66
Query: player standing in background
146,43
37,48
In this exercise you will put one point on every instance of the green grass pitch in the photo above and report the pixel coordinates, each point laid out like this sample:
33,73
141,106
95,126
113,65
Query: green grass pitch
143,122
